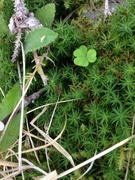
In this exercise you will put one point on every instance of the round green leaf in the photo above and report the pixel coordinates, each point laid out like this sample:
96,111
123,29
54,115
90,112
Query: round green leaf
38,38
81,51
91,55
46,14
81,61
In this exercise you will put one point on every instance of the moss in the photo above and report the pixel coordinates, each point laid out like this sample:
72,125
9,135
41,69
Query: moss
101,114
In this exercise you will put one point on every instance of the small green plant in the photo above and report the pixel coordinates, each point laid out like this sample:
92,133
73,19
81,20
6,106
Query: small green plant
39,38
6,108
83,56
46,14
98,100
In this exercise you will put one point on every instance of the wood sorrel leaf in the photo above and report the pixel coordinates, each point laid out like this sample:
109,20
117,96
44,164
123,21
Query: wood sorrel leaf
91,55
81,51
80,55
81,61
84,57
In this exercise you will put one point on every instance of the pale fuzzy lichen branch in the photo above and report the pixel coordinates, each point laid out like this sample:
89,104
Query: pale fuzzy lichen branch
17,45
21,21
107,11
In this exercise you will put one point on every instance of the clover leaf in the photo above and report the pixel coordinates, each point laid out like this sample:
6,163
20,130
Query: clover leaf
80,54
83,56
91,55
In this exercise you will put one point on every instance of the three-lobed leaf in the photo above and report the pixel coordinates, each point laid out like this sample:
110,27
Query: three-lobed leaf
83,56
